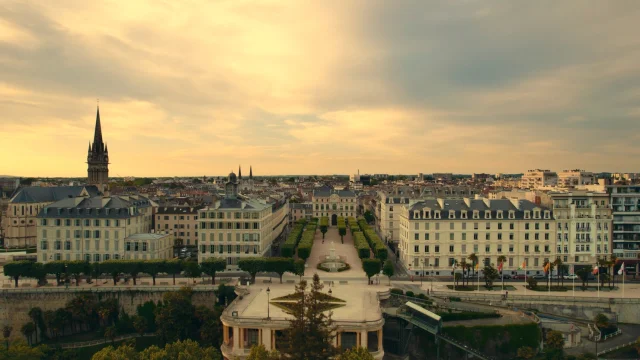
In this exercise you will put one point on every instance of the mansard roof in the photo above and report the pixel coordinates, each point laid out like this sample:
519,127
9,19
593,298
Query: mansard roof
37,194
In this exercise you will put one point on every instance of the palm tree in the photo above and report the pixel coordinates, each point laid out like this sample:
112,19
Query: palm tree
601,263
614,260
560,267
27,330
464,266
36,316
474,258
501,260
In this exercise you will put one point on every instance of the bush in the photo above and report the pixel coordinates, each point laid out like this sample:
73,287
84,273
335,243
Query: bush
306,243
289,246
361,245
410,293
396,291
467,316
454,298
378,247
422,296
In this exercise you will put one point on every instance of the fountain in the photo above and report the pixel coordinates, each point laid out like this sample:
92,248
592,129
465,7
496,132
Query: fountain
332,262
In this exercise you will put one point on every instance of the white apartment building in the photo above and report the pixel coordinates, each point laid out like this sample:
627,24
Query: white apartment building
234,227
389,219
435,233
625,201
333,203
148,246
538,178
584,225
91,228
181,221
571,178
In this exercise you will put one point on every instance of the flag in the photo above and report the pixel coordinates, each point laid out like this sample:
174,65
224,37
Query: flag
547,267
523,266
595,269
455,265
478,266
500,266
621,271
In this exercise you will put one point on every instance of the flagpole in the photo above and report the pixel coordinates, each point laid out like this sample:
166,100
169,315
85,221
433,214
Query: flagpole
502,274
478,271
598,282
525,278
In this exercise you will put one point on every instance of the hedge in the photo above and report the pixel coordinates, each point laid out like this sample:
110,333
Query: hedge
289,246
306,243
396,291
361,245
378,247
353,224
467,316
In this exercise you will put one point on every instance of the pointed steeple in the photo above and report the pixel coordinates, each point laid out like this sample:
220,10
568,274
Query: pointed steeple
97,137
89,146
239,172
250,172
106,149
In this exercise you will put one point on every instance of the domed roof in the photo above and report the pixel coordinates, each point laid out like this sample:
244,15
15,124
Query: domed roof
232,177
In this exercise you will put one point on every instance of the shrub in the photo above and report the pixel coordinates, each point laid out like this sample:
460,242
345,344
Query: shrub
361,245
467,316
396,291
410,293
306,243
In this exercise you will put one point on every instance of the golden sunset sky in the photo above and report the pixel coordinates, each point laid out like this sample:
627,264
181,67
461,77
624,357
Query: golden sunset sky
320,87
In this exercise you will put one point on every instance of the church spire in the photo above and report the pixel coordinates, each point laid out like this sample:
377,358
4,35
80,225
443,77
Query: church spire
97,136
250,173
239,172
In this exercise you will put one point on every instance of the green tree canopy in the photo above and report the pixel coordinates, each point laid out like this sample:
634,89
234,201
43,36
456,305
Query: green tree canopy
358,353
371,267
252,266
211,266
279,265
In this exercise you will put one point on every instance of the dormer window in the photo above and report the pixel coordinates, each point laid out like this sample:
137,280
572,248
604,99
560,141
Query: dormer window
527,214
512,214
547,214
463,214
476,214
452,214
487,214
499,214
437,214
416,214
536,214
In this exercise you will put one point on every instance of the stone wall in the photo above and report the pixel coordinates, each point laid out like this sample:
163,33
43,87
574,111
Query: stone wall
15,306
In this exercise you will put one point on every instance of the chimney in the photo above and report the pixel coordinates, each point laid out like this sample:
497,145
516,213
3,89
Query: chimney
467,202
441,202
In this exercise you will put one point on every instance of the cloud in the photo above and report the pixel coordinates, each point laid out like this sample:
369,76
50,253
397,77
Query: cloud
192,88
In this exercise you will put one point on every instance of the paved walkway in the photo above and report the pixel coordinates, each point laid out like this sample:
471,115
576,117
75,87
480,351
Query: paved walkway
346,252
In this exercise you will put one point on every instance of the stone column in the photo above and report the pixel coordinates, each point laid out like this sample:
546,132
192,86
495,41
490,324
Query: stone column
380,340
363,339
236,337
267,335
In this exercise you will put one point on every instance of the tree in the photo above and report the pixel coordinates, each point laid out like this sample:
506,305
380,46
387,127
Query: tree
501,260
27,330
211,266
110,333
132,267
457,277
183,350
465,267
583,274
153,267
279,265
171,317
474,259
311,331
601,320
526,352
358,353
56,268
35,314
210,325
298,268
560,270
123,352
490,275
533,283
549,271
259,352
252,266
173,267
613,261
192,270
368,216
324,225
371,267
6,333
554,340
342,228
140,324
77,268
388,270
20,350
113,268
15,269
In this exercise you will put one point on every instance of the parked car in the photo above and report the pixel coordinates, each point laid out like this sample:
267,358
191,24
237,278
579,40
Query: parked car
506,276
539,276
570,277
518,277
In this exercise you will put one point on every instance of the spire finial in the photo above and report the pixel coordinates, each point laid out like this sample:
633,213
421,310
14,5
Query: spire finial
239,172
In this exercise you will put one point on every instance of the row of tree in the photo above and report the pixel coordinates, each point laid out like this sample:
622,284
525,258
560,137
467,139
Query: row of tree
361,245
278,265
342,228
378,247
289,247
324,225
306,242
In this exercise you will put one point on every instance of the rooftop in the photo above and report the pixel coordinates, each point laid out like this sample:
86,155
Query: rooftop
144,236
38,194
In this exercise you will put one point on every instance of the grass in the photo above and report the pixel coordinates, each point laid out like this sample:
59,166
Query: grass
79,337
627,352
553,288
495,287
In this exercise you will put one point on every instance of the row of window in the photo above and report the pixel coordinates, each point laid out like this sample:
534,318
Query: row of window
247,249
230,215
230,225
334,207
586,237
476,226
584,226
487,248
426,262
327,200
182,217
67,245
87,257
77,234
84,222
487,236
229,237
436,214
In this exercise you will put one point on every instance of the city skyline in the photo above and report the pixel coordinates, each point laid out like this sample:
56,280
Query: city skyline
312,88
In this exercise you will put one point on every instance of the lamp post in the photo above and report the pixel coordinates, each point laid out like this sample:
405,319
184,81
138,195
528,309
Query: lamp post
422,272
268,313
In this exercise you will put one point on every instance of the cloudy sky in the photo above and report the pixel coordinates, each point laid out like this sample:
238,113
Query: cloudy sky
197,87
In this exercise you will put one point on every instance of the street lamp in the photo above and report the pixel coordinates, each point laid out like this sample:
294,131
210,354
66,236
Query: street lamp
330,292
268,314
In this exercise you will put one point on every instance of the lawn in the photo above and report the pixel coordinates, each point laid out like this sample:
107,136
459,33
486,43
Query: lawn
627,352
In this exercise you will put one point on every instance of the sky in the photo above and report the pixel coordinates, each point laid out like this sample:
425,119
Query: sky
195,87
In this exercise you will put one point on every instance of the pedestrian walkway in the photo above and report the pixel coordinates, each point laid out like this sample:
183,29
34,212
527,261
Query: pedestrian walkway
346,251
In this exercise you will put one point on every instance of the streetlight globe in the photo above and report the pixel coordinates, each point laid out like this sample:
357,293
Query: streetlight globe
268,290
330,292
